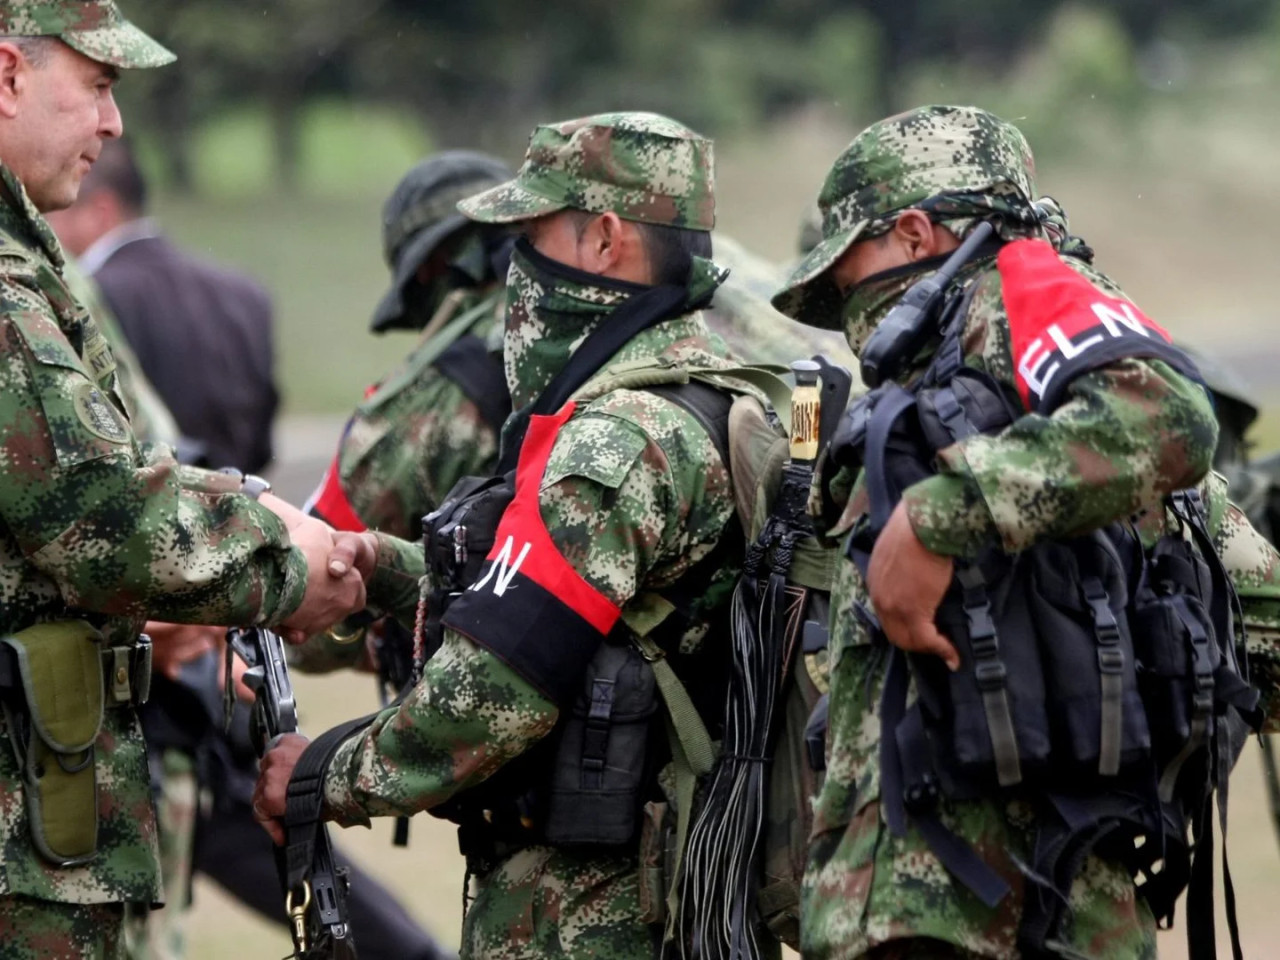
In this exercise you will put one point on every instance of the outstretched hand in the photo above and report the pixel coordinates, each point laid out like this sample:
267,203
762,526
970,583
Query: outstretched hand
907,582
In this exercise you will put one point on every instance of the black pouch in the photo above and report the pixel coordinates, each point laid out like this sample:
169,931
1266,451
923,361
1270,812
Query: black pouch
602,757
1175,644
457,537
992,629
1079,599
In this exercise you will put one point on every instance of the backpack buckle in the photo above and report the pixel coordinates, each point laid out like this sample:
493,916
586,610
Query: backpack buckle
990,675
1110,660
921,798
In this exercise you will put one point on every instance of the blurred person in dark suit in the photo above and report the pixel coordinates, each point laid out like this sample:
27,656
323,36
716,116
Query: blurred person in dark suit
202,332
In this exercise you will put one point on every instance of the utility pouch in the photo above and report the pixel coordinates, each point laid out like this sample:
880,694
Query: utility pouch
58,716
1176,646
601,762
1079,600
990,714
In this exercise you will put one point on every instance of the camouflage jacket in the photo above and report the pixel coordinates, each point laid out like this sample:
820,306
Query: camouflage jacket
634,494
1126,434
91,527
415,436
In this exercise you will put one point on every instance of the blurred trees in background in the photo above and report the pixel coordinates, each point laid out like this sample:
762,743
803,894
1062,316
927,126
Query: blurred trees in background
476,71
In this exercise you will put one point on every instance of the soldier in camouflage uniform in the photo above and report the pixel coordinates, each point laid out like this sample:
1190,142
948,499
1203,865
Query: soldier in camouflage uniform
420,429
1127,433
97,533
633,495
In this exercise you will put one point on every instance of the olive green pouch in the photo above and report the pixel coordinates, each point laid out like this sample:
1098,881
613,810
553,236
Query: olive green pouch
60,665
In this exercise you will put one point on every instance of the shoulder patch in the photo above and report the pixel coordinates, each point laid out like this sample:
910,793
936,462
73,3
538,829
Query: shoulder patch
98,414
1061,325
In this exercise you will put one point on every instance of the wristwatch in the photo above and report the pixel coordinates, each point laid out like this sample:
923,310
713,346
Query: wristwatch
251,485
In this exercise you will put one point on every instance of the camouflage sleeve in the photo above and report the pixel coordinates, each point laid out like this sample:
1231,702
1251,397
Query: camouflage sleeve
616,508
1254,568
1128,434
120,535
407,445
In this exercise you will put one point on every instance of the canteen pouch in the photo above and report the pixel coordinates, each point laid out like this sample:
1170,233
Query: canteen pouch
601,763
58,718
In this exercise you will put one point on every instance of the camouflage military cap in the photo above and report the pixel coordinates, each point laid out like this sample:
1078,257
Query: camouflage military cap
422,211
641,166
95,28
898,163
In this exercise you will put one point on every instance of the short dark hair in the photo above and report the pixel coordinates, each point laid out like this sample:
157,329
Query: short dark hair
669,249
117,171
35,49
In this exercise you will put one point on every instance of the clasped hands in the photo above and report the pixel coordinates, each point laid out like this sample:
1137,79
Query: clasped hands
338,564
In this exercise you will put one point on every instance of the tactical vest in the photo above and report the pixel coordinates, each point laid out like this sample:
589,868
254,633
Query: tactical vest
1099,678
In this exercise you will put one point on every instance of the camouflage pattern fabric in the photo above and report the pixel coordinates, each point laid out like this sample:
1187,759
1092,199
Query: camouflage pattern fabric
960,159
150,418
415,436
161,934
95,28
741,315
633,495
91,523
641,166
41,930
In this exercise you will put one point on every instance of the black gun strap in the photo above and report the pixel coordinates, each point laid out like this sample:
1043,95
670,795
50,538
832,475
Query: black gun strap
305,798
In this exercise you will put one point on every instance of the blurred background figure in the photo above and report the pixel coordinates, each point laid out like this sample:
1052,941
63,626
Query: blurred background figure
202,332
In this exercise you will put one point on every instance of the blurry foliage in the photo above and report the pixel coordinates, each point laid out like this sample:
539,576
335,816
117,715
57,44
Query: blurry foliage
477,70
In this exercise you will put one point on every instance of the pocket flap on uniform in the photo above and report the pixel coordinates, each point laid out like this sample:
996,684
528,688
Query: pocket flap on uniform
596,449
61,668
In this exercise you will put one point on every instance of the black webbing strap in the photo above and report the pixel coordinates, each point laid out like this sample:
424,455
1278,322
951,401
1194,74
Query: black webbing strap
904,755
305,798
479,374
893,403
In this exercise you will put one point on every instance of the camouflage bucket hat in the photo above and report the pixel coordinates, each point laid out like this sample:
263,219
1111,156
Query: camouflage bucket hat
641,166
895,164
95,28
422,211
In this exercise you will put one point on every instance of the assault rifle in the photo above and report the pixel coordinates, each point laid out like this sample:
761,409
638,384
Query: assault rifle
315,891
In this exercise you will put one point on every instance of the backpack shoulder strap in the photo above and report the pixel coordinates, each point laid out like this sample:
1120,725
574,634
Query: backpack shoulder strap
479,374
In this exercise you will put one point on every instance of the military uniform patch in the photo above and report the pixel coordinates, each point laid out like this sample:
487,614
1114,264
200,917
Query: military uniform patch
98,356
99,414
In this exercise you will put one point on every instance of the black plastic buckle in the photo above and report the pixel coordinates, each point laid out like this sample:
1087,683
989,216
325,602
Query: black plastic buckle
990,675
1111,660
982,629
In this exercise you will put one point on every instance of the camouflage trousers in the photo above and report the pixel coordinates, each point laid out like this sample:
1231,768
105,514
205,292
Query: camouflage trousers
543,902
32,929
161,934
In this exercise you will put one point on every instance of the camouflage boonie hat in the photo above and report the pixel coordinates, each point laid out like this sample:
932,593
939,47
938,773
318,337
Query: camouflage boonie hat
422,211
641,166
895,164
95,28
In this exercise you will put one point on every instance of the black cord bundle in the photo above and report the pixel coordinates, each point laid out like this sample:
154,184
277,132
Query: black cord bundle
722,869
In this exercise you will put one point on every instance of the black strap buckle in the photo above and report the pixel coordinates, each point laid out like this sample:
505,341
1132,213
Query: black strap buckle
990,675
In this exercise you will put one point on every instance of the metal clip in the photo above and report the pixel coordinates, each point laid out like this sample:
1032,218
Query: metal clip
460,545
298,917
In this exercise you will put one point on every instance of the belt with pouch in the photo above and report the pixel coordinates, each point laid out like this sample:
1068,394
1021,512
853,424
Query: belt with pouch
126,673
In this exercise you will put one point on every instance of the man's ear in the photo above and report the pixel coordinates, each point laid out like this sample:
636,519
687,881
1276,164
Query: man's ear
13,67
602,243
914,230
